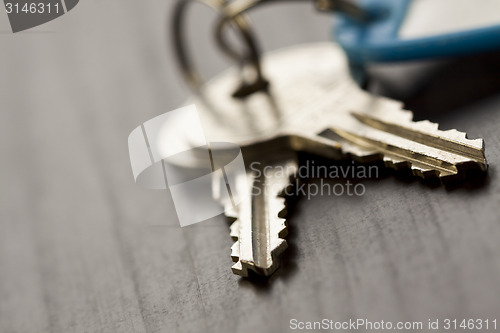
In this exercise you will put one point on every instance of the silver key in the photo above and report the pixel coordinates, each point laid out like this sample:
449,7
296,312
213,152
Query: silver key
258,224
314,106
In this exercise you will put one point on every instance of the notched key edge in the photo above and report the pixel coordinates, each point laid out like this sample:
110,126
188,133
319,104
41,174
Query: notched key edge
242,267
363,149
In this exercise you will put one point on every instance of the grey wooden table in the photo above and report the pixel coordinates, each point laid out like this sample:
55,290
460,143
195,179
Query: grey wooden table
83,249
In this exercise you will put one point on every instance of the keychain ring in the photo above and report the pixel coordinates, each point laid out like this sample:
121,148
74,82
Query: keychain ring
234,10
238,7
239,21
234,13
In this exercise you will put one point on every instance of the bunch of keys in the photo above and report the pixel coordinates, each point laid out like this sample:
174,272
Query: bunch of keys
302,99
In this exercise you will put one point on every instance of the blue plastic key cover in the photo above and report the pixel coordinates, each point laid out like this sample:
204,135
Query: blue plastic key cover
383,37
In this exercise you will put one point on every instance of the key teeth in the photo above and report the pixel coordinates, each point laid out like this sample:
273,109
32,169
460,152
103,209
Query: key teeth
396,164
242,267
282,213
233,229
429,173
425,173
426,123
453,134
421,172
408,113
400,124
235,251
478,143
238,269
230,212
283,229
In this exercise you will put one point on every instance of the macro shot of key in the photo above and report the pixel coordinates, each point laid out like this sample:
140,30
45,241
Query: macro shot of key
314,106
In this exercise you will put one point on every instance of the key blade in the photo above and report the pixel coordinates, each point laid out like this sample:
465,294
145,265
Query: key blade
259,226
390,134
428,133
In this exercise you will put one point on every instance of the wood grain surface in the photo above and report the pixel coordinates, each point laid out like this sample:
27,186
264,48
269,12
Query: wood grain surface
83,249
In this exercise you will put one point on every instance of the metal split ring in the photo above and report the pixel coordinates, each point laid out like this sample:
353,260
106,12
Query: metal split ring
240,22
232,13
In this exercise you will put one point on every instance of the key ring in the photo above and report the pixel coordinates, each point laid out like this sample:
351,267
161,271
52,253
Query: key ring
239,22
233,13
238,7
